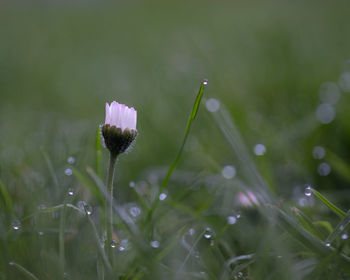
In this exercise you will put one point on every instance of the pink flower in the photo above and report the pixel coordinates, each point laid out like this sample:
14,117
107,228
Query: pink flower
121,116
247,199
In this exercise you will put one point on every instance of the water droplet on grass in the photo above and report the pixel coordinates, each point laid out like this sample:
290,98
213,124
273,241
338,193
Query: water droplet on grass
124,245
328,244
329,93
71,160
155,244
318,152
344,82
70,192
208,233
228,172
191,231
324,169
16,225
132,184
212,105
205,82
259,149
135,211
344,236
68,172
162,196
41,233
82,205
325,113
308,191
231,220
114,244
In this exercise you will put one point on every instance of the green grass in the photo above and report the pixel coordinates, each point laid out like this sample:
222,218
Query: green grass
266,63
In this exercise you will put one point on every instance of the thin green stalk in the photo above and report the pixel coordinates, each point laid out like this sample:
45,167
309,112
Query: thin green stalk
109,204
24,271
178,156
61,234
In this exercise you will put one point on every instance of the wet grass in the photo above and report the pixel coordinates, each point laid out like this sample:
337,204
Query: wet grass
204,206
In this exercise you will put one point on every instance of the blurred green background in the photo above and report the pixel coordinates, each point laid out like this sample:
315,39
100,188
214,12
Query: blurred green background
271,63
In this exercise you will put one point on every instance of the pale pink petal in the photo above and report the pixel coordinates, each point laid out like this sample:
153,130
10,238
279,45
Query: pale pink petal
134,119
108,115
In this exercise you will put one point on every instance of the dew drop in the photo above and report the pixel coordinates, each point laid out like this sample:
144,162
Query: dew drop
162,196
231,220
124,245
135,211
344,82
328,244
259,149
205,82
155,244
82,205
344,236
325,113
88,209
114,244
341,228
329,93
324,169
132,184
208,233
228,172
68,172
238,216
303,202
16,225
121,248
11,263
318,152
41,233
71,160
308,191
191,231
70,192
212,105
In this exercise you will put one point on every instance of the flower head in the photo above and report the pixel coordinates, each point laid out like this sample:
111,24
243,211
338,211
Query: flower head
119,130
121,116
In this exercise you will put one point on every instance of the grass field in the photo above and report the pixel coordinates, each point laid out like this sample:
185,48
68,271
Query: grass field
273,121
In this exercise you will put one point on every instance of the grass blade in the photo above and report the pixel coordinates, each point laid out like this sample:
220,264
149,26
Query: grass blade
329,204
188,128
98,243
50,166
339,228
233,137
178,156
5,197
24,271
98,152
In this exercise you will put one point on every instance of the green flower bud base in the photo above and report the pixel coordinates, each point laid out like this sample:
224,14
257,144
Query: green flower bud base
116,140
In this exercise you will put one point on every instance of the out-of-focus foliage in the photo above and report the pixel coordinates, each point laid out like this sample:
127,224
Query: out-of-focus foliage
279,68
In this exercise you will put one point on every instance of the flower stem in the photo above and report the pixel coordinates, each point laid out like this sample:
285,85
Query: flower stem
109,204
